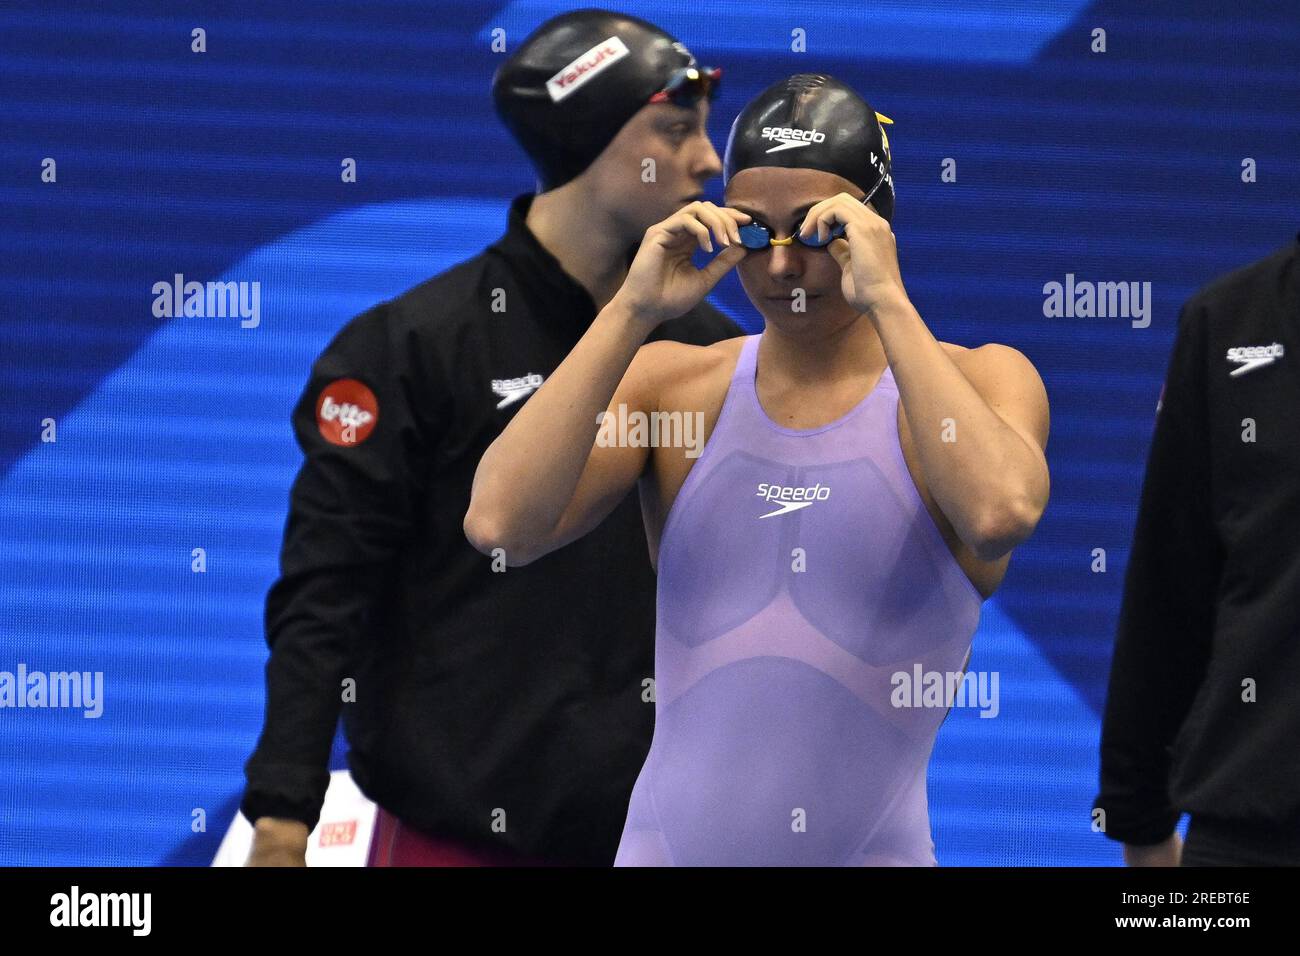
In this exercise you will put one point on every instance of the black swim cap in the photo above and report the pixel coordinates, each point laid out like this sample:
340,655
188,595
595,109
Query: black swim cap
813,121
574,83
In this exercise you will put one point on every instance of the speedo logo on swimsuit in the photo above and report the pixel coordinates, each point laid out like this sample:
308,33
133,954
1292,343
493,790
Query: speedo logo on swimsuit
790,498
513,389
1251,357
582,70
791,137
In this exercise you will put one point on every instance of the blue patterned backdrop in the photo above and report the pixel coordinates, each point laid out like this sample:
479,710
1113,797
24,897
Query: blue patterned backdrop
173,434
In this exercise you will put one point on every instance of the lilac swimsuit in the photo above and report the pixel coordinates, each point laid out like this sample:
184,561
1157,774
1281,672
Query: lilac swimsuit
798,572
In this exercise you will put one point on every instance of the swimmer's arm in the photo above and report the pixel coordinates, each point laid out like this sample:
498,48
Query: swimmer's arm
987,466
546,481
1011,387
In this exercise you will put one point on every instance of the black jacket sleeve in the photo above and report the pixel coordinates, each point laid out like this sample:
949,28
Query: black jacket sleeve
352,507
703,325
1166,619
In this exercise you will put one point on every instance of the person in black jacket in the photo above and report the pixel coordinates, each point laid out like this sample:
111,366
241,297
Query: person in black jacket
494,716
1203,710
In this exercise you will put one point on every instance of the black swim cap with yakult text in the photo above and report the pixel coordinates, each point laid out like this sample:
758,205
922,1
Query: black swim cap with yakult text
813,121
578,78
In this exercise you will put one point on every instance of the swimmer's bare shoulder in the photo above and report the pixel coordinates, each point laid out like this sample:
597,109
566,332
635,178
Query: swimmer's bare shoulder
682,377
1008,381
1005,377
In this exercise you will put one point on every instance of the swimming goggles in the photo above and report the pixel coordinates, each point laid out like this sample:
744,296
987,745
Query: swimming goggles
757,235
688,84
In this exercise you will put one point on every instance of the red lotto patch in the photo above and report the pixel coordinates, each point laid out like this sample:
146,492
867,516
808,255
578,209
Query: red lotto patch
346,412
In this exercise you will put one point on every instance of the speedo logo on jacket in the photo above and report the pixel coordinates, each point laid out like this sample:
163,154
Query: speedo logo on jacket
790,497
1253,356
510,390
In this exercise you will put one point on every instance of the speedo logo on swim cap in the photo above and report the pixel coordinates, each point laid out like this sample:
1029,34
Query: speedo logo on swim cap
600,57
790,498
791,137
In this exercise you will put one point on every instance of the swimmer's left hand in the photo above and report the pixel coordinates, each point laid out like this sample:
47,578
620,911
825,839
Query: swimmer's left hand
867,254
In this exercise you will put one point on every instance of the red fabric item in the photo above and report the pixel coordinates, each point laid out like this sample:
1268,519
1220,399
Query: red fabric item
396,844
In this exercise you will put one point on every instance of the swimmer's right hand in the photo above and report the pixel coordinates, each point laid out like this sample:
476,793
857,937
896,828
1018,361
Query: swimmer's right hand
662,282
278,842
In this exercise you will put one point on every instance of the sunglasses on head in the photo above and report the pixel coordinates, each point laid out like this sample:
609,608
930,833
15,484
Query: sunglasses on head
688,84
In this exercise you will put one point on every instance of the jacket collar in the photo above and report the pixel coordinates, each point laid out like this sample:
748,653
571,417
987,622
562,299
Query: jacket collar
555,293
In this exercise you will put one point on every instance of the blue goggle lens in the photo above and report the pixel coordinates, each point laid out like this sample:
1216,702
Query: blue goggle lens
755,235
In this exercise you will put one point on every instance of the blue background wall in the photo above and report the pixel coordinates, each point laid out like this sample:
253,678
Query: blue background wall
174,433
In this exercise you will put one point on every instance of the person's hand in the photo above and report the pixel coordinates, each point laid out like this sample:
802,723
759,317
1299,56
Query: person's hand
662,282
1166,853
867,253
278,842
